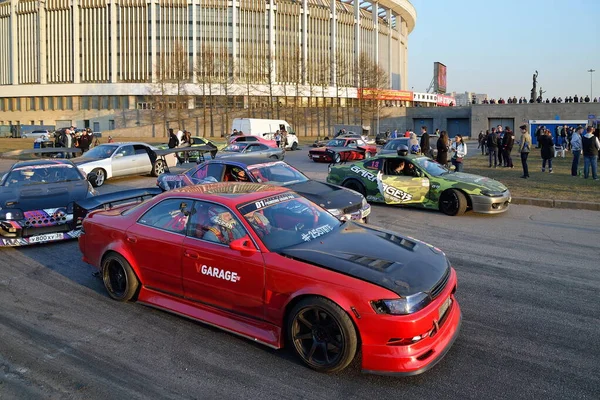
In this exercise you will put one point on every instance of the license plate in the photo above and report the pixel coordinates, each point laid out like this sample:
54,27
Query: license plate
45,238
366,212
444,307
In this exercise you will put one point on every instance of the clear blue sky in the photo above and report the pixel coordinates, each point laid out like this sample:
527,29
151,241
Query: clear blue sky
495,46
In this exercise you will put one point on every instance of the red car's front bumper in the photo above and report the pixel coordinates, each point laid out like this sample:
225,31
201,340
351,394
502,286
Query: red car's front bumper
383,355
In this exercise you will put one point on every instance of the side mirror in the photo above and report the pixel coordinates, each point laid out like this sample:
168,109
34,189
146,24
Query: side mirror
243,245
118,155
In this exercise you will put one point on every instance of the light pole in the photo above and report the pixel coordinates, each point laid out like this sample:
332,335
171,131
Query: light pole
591,71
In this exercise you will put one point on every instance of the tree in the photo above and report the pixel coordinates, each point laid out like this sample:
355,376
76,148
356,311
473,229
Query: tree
372,80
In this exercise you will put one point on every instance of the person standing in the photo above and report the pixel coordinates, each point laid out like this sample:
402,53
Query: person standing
173,141
492,145
425,147
180,135
278,138
591,150
547,150
507,144
443,146
459,148
524,149
576,147
500,140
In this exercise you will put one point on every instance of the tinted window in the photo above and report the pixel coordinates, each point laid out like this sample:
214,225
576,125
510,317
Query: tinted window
215,170
279,172
199,173
214,223
126,151
103,151
170,215
257,147
40,174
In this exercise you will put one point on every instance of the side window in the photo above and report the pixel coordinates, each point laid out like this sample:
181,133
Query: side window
373,164
361,142
170,215
352,143
139,149
199,173
125,151
215,170
253,147
251,139
214,223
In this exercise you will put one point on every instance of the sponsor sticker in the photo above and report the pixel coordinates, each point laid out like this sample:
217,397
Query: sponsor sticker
316,232
218,273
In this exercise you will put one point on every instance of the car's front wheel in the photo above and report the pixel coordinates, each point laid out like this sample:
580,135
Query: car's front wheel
158,168
100,177
322,334
120,281
453,202
355,185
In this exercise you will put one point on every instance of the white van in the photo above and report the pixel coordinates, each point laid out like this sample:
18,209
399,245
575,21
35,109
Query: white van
266,128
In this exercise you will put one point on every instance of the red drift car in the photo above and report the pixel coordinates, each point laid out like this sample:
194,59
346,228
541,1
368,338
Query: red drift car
343,149
265,263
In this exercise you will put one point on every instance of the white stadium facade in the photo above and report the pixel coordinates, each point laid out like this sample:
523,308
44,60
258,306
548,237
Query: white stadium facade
68,60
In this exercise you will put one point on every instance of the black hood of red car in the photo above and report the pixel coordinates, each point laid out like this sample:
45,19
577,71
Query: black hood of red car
403,265
326,195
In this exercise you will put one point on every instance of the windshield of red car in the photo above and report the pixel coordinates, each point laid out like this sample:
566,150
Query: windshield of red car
276,173
287,219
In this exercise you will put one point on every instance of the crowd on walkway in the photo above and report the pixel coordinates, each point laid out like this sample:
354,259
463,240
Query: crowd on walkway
497,144
540,99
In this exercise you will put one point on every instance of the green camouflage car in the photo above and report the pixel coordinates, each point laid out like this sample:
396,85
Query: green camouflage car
420,182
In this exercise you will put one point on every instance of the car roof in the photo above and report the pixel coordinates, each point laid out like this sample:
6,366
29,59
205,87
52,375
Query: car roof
228,193
241,162
32,163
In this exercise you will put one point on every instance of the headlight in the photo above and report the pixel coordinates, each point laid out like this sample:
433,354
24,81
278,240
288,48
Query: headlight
491,193
336,212
11,214
403,306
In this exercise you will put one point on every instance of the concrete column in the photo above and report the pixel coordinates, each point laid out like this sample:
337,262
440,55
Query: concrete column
234,34
42,39
14,54
113,41
333,44
194,44
76,45
389,66
356,41
304,41
271,25
375,12
153,28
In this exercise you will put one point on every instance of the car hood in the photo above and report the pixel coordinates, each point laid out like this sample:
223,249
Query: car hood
474,182
401,264
326,195
43,196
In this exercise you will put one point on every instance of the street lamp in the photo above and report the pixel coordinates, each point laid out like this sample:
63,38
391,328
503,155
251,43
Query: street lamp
591,71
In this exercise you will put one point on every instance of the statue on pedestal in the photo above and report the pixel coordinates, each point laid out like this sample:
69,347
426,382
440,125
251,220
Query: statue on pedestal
534,88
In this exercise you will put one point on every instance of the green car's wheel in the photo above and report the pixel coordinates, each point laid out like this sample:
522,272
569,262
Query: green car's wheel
355,185
453,202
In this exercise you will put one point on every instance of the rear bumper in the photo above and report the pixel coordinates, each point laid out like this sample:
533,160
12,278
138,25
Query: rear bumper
320,157
491,205
18,240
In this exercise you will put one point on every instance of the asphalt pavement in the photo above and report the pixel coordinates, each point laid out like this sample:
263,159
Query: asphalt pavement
529,288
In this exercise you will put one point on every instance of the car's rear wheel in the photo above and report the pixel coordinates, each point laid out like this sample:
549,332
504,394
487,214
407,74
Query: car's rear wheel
322,334
453,202
158,168
294,146
355,185
274,157
120,281
100,177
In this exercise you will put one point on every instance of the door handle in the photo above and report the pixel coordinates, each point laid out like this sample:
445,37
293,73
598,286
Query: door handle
131,239
191,254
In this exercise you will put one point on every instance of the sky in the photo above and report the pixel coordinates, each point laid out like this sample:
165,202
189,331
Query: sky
495,46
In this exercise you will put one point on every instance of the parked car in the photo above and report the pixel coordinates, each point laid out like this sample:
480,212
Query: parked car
247,149
392,146
37,199
111,160
343,149
197,141
341,202
35,134
422,183
266,128
265,263
252,139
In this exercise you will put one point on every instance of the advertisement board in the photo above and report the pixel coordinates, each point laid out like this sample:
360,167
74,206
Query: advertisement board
445,100
439,77
385,94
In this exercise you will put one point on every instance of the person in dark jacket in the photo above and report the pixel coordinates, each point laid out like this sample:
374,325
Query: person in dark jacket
425,147
591,150
85,140
173,141
508,141
547,150
443,145
492,145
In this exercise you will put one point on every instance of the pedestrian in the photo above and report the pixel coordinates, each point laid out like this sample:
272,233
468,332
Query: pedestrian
413,144
547,150
591,150
186,141
480,140
524,149
110,139
278,138
173,141
425,147
179,135
459,148
484,148
443,146
576,147
507,145
84,141
492,145
500,139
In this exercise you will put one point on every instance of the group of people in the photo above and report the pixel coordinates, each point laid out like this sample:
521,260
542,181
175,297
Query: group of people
456,149
581,141
70,138
182,138
539,99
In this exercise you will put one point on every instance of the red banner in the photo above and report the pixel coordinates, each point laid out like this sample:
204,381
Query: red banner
445,101
385,94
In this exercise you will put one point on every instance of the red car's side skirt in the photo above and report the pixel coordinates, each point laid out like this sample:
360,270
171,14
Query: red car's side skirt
257,331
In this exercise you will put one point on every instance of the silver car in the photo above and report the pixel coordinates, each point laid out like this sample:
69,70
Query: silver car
252,149
121,159
35,134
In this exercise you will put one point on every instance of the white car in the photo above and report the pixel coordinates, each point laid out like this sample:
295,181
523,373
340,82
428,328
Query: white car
121,159
35,134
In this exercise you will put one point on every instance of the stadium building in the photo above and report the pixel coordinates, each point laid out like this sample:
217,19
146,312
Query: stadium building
66,62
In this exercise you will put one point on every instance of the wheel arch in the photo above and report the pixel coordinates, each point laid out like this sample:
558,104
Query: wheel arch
357,181
467,196
123,253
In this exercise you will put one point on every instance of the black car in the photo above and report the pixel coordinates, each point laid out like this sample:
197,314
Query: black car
37,201
341,202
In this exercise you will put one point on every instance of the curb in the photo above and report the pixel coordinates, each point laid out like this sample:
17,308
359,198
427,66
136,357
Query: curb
550,203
